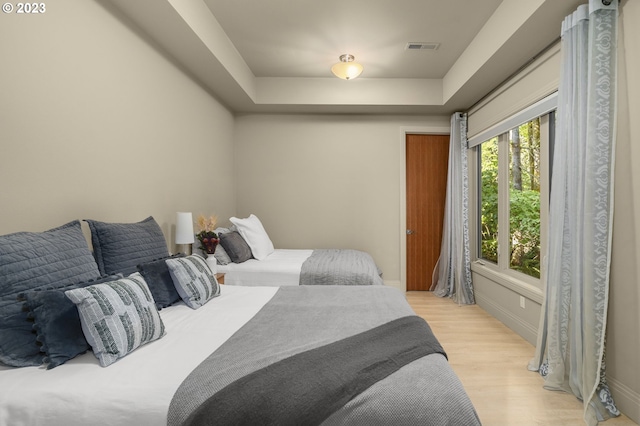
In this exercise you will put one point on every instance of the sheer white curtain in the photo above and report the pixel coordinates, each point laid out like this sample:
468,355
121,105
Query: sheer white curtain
571,339
452,274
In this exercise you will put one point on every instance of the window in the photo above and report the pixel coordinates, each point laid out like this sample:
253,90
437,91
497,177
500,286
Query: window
513,192
524,198
489,203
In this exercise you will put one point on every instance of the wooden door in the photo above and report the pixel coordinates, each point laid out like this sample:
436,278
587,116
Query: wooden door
427,163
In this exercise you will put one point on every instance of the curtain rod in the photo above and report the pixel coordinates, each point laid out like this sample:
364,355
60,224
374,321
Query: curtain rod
529,62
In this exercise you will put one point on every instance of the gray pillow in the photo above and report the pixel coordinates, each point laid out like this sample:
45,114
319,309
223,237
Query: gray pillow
236,247
193,280
36,260
117,317
120,247
221,254
156,274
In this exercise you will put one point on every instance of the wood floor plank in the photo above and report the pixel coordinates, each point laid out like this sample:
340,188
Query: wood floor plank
491,362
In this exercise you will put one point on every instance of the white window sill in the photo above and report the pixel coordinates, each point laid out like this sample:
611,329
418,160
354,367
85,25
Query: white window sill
508,280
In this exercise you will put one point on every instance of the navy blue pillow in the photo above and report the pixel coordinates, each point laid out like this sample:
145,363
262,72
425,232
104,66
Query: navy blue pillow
31,260
57,322
120,247
156,274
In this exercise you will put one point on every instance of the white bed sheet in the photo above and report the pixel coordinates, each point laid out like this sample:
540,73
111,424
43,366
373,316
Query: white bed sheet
137,389
280,268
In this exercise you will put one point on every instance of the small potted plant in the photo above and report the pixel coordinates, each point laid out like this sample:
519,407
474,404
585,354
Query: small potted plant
208,238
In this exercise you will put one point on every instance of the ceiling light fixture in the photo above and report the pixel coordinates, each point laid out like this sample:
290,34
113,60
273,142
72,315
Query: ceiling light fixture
346,69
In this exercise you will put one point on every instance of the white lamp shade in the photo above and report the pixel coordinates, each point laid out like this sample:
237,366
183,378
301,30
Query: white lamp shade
184,228
347,69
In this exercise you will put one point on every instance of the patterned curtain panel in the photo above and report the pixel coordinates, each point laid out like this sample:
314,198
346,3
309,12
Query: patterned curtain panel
452,273
570,352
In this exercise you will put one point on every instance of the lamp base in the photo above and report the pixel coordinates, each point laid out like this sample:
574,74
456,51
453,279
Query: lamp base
185,248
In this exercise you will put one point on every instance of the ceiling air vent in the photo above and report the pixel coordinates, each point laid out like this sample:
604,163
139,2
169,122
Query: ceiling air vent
422,46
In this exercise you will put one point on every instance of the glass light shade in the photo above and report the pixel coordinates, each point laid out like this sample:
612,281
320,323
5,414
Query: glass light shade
184,228
347,69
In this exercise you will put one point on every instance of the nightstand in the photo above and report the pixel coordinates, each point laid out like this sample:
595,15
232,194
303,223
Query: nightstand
220,277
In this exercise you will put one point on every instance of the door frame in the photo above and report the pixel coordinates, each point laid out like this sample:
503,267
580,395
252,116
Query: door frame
404,131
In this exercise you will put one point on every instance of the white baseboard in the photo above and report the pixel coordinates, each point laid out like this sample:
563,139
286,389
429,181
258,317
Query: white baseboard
522,328
626,399
396,284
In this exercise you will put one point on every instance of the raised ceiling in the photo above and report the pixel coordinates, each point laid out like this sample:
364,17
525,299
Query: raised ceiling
284,38
276,55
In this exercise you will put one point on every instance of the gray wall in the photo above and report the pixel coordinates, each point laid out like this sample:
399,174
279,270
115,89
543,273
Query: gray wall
95,123
623,331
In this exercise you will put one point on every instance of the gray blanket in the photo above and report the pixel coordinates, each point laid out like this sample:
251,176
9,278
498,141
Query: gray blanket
340,267
300,390
298,319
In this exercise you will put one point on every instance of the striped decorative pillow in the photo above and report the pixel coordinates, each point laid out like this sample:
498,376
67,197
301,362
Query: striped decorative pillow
193,280
117,317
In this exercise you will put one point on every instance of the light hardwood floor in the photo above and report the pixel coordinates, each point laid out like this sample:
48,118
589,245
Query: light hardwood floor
491,361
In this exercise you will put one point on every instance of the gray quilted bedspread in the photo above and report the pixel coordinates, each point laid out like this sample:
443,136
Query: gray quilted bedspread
340,267
297,319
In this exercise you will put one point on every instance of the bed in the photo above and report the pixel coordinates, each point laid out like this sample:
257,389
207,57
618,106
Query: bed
247,256
288,267
234,355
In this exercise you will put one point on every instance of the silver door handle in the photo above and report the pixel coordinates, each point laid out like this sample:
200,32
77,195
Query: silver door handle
410,231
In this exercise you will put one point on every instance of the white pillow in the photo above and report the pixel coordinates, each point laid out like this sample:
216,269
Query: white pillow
254,234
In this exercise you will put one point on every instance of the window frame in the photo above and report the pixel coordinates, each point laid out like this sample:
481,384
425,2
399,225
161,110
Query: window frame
502,272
